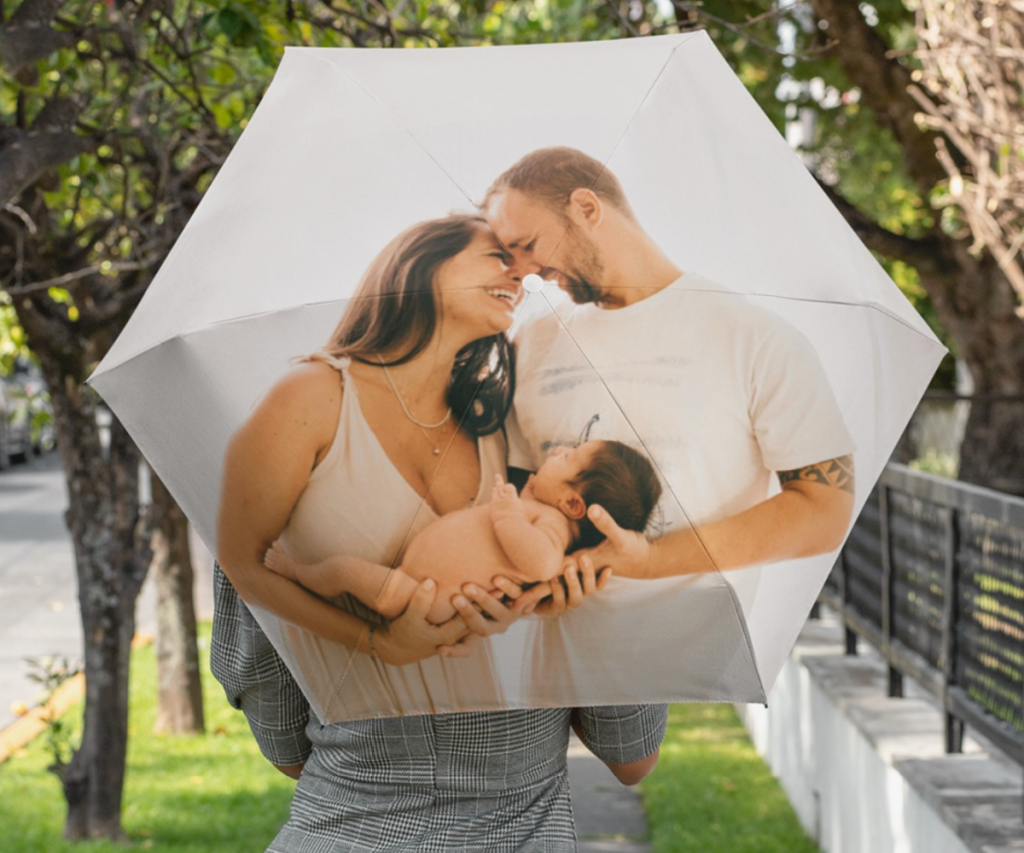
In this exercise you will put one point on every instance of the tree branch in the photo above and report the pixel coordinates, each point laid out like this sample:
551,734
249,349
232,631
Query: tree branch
46,332
76,275
884,85
925,253
50,141
114,312
27,36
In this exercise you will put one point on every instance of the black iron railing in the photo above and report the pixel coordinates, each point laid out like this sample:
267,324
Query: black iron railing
933,577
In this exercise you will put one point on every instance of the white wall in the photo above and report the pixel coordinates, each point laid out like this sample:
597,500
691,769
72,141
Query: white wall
834,740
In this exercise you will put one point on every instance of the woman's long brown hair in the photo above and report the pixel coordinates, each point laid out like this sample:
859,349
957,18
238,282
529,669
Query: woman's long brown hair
394,310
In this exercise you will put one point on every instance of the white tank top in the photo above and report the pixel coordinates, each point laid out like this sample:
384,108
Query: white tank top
356,502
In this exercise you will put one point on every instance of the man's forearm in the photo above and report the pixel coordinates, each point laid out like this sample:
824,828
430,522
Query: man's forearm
806,518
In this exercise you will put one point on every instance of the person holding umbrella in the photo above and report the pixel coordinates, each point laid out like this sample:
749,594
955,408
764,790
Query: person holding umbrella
727,398
398,420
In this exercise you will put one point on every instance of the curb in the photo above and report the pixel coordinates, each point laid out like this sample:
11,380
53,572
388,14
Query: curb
34,722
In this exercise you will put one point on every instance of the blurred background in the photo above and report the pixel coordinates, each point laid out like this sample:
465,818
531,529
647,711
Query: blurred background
115,117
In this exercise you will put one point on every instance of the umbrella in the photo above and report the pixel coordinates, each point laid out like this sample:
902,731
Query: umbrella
350,147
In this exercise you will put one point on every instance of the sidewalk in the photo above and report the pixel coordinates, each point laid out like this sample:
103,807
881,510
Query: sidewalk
38,591
609,816
39,616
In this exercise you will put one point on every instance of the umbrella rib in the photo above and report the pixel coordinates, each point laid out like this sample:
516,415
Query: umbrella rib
426,495
870,306
604,166
626,417
400,125
423,502
625,130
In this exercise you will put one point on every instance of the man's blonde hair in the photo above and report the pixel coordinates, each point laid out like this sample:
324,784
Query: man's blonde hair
551,175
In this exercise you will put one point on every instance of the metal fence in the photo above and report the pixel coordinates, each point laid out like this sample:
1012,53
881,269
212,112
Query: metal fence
933,577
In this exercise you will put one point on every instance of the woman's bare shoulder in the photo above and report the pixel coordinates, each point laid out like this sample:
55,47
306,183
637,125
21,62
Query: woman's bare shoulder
308,395
309,379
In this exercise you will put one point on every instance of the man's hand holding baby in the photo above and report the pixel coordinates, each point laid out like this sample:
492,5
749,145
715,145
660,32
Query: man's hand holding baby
629,553
551,599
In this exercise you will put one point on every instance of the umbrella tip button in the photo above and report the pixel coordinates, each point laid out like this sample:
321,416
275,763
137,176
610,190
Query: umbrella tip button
533,283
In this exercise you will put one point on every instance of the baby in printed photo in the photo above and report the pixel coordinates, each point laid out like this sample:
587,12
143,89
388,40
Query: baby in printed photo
523,537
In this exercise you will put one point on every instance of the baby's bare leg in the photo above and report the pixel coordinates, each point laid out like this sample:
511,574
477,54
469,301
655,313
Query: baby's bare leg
392,597
386,591
327,578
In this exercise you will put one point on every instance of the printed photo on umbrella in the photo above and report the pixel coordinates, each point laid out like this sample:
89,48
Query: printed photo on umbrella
436,489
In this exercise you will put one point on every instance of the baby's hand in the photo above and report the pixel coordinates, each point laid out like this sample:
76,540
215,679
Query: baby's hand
502,490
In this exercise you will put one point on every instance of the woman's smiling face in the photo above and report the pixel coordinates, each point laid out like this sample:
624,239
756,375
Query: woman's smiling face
478,289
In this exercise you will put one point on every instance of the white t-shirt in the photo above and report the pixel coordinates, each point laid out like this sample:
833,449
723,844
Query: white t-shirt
719,393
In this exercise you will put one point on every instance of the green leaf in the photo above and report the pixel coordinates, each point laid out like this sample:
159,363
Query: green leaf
223,73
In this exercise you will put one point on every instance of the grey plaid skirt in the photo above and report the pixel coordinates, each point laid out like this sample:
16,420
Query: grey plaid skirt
456,783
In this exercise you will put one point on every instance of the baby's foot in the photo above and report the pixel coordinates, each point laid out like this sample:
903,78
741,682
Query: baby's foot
394,596
278,560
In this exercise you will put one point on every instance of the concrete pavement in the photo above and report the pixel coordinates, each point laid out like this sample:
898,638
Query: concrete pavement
39,617
609,816
38,585
38,590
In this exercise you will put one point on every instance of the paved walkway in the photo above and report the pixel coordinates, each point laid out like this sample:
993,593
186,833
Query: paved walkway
38,592
609,816
39,616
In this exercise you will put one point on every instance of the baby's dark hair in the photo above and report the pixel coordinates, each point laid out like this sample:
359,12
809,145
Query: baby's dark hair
624,483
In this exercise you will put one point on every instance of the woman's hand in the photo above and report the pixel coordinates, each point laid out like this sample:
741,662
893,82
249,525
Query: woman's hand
411,638
578,579
483,614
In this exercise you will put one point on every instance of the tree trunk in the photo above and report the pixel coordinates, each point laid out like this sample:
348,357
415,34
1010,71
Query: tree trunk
992,454
978,305
111,557
973,297
180,692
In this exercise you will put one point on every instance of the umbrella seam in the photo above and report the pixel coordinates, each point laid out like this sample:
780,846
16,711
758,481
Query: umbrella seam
400,126
868,305
625,130
423,498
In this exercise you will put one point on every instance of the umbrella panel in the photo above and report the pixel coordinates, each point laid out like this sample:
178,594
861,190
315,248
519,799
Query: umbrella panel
228,311
683,638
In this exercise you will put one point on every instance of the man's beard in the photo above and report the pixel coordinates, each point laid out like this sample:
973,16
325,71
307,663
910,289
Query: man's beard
582,292
587,270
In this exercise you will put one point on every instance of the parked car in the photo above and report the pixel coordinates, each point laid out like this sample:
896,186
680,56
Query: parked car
40,409
15,421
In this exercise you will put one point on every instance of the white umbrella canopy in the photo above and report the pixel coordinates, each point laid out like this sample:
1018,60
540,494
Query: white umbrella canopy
350,147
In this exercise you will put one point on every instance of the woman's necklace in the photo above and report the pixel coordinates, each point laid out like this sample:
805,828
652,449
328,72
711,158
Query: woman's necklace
405,409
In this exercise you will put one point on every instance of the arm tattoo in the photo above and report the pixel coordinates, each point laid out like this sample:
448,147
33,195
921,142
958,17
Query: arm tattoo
832,472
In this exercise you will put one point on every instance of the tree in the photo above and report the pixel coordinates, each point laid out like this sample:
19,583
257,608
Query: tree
114,118
109,132
966,251
920,144
179,688
971,88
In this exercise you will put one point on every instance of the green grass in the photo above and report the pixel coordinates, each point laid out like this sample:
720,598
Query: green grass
206,794
712,793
